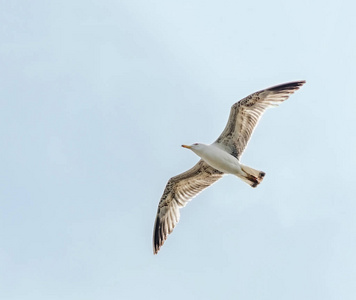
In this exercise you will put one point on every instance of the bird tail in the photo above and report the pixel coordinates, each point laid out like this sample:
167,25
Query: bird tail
253,177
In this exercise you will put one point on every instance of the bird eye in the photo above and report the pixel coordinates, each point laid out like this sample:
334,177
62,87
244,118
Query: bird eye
196,144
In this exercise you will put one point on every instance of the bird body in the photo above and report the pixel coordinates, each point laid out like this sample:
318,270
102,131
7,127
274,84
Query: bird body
219,158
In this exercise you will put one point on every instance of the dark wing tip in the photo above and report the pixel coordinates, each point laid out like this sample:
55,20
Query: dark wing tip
157,239
289,86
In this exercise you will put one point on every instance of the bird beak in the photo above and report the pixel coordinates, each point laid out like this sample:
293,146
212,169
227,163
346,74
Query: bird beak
185,146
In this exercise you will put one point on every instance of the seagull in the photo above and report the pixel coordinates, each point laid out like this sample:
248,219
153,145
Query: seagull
220,158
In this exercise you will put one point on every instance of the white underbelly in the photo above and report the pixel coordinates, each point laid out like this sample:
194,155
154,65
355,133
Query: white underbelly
222,161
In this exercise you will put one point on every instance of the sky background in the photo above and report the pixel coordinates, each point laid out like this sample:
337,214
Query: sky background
96,98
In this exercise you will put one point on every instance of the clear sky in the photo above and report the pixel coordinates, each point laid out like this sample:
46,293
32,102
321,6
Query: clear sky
96,99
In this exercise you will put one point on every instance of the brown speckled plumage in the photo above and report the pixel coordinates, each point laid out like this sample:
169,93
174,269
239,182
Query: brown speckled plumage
246,113
179,190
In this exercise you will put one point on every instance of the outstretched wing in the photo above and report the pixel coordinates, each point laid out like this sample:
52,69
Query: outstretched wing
179,190
246,113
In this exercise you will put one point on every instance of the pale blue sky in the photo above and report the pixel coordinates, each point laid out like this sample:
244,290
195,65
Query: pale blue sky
96,99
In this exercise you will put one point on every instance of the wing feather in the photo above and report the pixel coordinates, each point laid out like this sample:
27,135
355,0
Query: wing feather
245,114
178,192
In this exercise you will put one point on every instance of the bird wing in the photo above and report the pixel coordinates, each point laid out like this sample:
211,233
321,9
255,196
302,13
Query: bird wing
179,190
246,113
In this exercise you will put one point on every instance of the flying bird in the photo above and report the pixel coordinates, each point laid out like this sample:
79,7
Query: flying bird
219,158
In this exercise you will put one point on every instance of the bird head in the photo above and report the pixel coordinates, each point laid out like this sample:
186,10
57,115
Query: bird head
195,147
